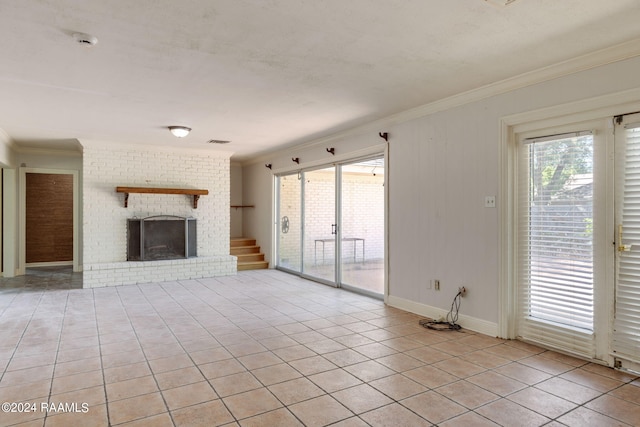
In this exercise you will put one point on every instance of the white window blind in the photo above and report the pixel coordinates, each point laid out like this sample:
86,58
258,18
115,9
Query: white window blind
626,335
555,242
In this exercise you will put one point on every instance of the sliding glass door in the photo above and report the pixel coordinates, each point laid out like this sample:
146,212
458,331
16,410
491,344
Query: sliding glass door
320,227
362,230
289,223
331,225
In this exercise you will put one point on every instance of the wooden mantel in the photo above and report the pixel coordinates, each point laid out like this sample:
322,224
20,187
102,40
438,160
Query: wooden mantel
152,190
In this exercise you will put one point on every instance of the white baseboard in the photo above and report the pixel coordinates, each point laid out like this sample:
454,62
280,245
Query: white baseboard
467,322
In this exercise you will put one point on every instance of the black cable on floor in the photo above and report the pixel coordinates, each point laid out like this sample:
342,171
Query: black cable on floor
452,317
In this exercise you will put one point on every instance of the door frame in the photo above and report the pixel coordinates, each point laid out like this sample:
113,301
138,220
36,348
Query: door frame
603,252
1,221
622,360
380,150
596,108
22,239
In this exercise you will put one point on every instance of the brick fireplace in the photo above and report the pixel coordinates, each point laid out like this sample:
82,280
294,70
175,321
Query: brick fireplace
105,217
161,237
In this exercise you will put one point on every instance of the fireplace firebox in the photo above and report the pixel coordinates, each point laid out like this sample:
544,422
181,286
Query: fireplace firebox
161,237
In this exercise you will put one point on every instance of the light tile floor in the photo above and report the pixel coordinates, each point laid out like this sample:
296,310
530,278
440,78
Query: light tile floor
265,348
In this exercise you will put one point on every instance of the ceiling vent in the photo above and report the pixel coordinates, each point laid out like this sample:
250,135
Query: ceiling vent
86,40
217,141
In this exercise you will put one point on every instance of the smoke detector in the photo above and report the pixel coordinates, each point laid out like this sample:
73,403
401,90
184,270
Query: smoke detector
84,39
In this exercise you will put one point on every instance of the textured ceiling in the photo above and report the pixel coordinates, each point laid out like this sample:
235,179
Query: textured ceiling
269,73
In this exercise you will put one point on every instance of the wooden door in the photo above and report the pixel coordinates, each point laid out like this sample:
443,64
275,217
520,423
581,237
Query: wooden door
49,217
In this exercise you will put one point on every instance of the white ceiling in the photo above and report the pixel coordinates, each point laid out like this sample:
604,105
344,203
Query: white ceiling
269,73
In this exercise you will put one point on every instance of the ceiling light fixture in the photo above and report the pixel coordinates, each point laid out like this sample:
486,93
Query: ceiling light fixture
179,131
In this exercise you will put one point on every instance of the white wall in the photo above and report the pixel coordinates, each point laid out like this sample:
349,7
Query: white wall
9,207
7,154
440,167
9,223
105,217
50,159
257,189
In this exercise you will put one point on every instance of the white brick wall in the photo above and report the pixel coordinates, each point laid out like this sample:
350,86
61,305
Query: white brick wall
363,213
105,217
289,243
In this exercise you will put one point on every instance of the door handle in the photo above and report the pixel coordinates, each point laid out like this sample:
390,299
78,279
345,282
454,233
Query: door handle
621,247
334,228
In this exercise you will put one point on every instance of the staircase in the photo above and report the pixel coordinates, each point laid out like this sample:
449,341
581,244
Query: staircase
248,253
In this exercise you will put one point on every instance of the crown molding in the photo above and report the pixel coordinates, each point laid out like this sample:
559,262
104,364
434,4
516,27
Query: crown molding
585,62
620,52
106,145
7,150
47,151
6,139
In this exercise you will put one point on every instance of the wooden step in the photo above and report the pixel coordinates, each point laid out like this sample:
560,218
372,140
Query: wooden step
253,265
242,241
248,254
239,250
250,257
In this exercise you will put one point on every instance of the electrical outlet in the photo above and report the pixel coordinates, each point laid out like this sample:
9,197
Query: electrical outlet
463,291
436,284
490,201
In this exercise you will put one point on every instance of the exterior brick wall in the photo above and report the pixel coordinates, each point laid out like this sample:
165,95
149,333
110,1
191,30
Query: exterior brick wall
362,216
289,243
363,213
319,208
105,217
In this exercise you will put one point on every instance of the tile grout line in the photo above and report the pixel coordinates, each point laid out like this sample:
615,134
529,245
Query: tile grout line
55,363
248,371
263,310
143,352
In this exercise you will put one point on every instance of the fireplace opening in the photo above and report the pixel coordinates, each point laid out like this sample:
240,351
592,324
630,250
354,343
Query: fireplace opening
161,237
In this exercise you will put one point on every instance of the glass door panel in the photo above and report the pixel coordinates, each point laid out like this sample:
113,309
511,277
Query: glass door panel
320,228
626,339
289,222
362,231
563,245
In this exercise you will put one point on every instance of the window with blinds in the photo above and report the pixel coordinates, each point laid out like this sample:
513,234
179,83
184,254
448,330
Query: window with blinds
626,334
555,241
